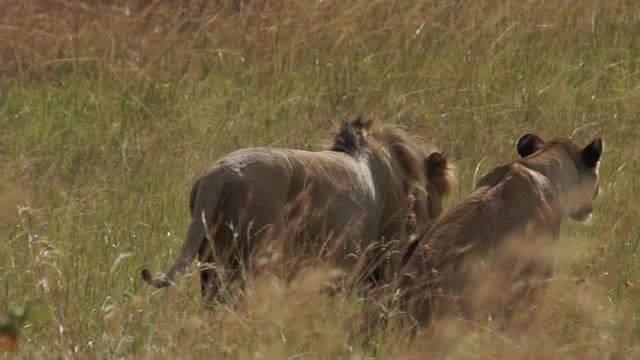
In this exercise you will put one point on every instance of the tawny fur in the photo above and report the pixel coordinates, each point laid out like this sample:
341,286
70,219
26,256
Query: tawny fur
511,219
338,202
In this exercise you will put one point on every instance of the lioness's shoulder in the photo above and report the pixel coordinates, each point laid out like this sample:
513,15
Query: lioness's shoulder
494,176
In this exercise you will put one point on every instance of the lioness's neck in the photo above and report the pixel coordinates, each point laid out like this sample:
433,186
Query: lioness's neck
556,165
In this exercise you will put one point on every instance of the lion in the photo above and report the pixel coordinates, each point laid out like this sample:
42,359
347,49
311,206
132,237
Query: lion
508,225
354,204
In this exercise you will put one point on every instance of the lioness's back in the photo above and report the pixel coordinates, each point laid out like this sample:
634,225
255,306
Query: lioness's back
489,213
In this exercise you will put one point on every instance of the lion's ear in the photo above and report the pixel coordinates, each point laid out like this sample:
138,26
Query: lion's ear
591,153
438,172
435,162
528,144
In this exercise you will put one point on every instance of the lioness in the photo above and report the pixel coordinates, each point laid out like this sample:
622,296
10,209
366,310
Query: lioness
339,202
510,220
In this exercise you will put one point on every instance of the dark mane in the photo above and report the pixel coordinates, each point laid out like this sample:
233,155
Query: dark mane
352,138
410,156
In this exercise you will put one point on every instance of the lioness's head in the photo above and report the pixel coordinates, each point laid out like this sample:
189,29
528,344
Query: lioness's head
572,168
425,172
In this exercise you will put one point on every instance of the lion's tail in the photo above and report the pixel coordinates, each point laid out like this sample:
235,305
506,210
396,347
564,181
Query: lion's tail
201,219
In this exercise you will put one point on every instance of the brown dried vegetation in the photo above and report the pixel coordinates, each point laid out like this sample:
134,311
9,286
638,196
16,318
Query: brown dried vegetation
110,109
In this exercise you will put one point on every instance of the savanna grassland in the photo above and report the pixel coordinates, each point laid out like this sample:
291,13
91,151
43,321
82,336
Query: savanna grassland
109,110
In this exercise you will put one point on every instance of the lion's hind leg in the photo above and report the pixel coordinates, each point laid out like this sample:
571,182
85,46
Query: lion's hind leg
209,283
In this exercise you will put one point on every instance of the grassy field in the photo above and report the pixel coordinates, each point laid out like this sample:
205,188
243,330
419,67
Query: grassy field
109,110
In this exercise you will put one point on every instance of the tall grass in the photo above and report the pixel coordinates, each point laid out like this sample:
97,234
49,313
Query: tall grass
109,110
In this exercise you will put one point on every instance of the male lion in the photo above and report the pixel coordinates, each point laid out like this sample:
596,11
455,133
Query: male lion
342,203
508,224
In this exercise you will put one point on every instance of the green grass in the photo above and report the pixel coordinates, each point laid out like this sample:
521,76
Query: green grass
108,113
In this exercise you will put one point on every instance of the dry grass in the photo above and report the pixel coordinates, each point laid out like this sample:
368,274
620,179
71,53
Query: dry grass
109,110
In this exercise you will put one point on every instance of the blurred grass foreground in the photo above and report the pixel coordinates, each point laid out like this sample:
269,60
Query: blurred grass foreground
109,110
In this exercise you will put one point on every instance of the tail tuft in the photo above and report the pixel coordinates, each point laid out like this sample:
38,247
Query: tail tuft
156,281
146,275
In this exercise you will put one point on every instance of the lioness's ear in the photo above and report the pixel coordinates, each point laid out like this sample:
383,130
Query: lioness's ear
528,144
591,153
437,171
